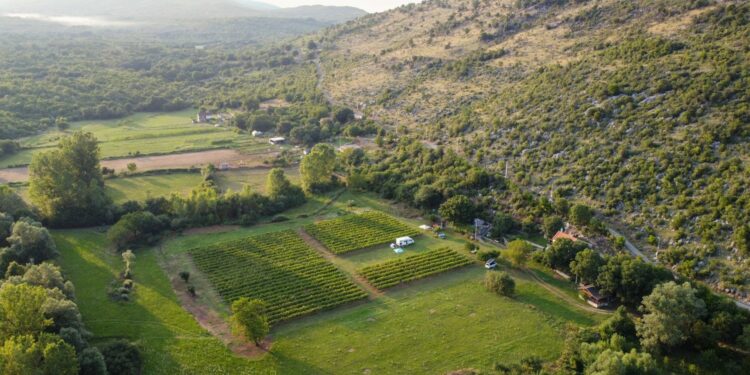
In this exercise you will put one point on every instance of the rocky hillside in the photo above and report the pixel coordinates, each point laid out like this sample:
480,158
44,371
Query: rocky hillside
637,107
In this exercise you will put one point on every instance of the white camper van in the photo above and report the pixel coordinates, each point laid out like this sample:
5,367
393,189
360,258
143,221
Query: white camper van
404,241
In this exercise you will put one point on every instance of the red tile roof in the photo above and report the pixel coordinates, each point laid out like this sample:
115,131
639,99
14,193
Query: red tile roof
562,235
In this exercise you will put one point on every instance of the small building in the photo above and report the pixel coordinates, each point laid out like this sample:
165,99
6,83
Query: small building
257,133
560,235
277,141
592,296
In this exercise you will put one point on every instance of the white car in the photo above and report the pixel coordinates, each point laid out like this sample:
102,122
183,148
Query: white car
404,241
491,264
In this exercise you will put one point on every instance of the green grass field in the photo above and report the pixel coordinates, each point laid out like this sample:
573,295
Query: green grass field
142,133
430,326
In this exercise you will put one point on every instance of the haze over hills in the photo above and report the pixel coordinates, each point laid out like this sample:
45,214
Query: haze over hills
173,9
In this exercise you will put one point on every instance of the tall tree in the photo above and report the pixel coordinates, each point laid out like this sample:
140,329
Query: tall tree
457,209
66,184
22,310
317,168
669,314
249,319
518,252
586,265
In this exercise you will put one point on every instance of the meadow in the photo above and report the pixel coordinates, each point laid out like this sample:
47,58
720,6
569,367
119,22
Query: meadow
443,322
142,134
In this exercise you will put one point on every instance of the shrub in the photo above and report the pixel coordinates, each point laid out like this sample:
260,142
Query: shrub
500,283
487,255
185,276
121,357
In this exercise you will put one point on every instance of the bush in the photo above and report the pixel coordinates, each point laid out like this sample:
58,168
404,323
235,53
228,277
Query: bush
487,255
500,283
279,219
121,357
92,362
185,276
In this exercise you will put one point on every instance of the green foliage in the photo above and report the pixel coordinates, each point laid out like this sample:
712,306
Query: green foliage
412,267
135,228
586,265
551,225
11,203
66,184
45,354
458,209
581,215
670,312
274,267
503,224
500,283
22,310
250,320
742,239
92,362
353,232
561,253
630,279
281,191
121,357
317,167
28,241
518,252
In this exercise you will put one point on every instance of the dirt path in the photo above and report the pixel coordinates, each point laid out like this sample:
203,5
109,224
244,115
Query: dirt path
572,301
232,159
320,248
208,318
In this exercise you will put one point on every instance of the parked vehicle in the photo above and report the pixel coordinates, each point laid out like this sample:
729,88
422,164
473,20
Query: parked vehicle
404,241
491,264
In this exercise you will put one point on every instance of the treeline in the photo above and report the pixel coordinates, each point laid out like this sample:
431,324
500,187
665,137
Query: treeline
41,330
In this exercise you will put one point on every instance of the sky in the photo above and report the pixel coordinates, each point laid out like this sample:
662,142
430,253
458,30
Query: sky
368,5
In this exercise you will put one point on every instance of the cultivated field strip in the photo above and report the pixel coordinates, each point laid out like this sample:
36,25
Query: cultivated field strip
278,268
397,271
354,232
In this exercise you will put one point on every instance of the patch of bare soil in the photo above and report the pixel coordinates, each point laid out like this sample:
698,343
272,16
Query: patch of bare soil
211,320
229,158
320,248
211,230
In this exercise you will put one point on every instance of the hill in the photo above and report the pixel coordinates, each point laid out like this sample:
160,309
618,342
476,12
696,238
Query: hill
174,9
637,107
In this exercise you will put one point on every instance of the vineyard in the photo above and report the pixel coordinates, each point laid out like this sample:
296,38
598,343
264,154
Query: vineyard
278,268
354,232
413,267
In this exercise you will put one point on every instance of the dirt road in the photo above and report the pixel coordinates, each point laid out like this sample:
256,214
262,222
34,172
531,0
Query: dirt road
232,158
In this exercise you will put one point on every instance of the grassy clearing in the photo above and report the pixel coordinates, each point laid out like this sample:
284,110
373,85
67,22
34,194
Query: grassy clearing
430,326
278,268
142,133
355,232
401,270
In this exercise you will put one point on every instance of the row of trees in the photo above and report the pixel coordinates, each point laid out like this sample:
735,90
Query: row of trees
41,329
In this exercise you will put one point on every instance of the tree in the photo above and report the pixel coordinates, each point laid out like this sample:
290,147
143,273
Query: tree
132,167
581,214
22,310
12,203
500,283
742,239
317,168
282,191
561,253
46,354
669,314
612,362
428,197
518,252
630,279
121,357
344,115
134,228
586,265
620,324
249,319
551,225
129,259
457,209
92,362
29,242
66,184
502,225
